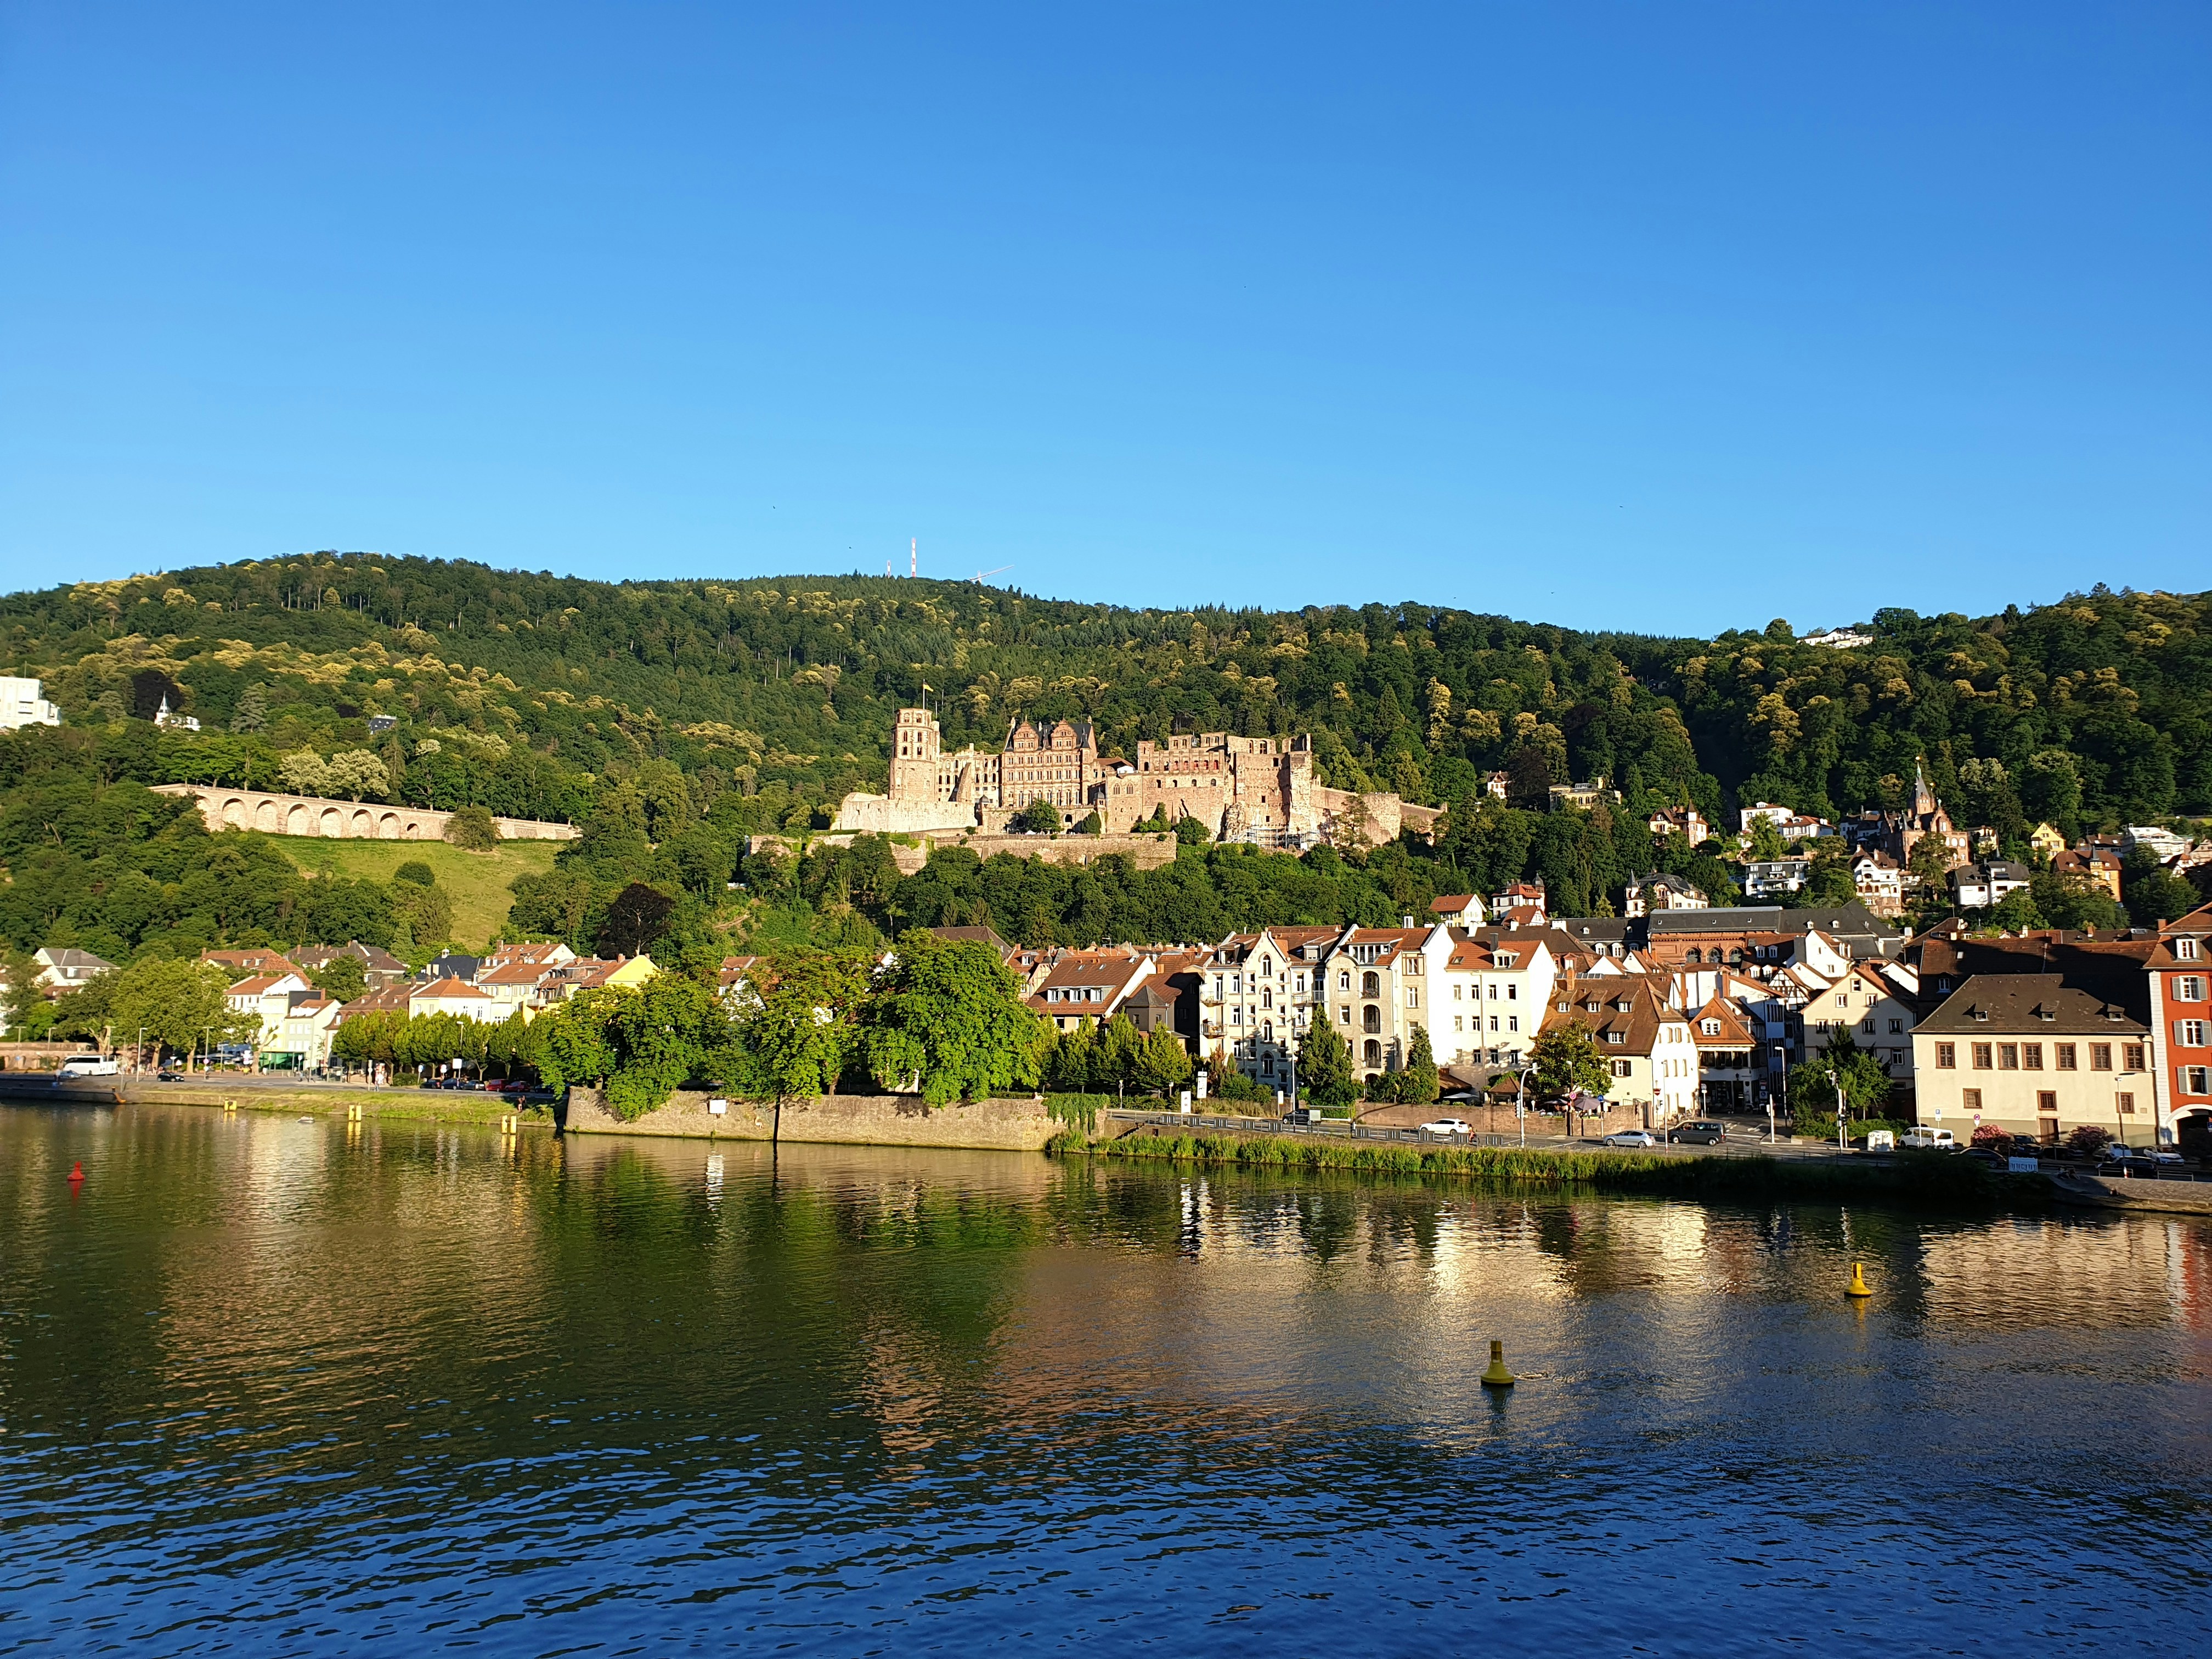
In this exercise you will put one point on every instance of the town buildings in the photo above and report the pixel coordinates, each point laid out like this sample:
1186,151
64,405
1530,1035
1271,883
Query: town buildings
2036,1056
1646,1041
23,702
1979,886
1789,824
1661,891
63,969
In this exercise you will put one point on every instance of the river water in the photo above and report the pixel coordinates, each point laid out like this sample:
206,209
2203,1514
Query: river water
269,1386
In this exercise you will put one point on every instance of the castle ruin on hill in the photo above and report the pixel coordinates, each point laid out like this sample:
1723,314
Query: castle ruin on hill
1259,790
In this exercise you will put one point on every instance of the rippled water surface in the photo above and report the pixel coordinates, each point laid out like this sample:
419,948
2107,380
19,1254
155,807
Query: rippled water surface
268,1387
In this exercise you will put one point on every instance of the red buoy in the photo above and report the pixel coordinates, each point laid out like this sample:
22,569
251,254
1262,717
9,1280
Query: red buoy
76,1173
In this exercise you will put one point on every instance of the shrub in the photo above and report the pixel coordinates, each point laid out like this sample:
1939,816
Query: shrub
416,871
1230,1084
2088,1141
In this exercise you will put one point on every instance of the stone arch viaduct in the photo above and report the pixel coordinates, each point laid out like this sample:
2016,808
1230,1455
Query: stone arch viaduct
341,820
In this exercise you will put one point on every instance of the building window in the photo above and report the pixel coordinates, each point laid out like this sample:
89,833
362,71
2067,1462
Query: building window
2125,1103
2046,1100
1620,1068
2190,1033
2007,1056
1981,1056
1947,1056
2197,1079
1370,1019
1896,1026
1458,1023
2063,1052
2100,1056
1343,982
1970,1100
2132,1057
1512,1022
2190,989
2185,949
1344,1016
1373,1054
1370,985
1412,996
2033,1054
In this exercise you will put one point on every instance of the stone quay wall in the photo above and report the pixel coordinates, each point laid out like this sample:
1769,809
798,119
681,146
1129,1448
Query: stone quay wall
838,1120
342,820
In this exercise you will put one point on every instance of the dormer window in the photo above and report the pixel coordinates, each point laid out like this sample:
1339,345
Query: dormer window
1711,1028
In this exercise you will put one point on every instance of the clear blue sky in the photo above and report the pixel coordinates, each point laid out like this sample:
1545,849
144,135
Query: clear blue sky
1673,317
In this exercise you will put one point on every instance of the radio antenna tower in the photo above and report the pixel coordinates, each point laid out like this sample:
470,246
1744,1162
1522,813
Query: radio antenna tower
913,556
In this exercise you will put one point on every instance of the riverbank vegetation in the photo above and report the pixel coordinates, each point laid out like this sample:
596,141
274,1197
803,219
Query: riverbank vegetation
1933,1178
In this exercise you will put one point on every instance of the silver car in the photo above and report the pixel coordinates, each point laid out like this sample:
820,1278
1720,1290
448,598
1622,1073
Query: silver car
1630,1138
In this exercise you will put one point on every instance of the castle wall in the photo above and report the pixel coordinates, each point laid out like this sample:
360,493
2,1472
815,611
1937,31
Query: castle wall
881,815
342,820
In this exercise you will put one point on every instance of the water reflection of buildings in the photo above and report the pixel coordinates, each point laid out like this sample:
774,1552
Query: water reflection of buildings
2095,1271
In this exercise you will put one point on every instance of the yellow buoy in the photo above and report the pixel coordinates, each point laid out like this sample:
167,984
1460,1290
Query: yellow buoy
1858,1285
1497,1376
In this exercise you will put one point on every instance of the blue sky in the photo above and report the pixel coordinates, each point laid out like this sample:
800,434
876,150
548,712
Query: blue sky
1666,317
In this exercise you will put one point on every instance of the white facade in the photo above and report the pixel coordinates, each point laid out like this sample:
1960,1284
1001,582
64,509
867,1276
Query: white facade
22,702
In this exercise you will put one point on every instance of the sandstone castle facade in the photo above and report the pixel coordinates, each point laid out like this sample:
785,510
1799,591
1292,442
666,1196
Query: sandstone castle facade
1260,790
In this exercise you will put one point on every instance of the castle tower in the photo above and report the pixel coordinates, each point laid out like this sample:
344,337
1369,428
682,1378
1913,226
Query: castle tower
914,746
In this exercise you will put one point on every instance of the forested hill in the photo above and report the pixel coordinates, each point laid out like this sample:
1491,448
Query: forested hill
531,689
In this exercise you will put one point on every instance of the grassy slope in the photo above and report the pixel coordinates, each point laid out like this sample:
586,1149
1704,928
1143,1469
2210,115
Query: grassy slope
477,881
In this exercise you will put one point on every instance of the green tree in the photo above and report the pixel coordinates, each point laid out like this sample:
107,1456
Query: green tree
1115,1058
470,827
1813,1080
1764,842
1190,832
1163,1064
1567,1057
1039,817
1068,1060
1325,1075
2073,901
345,977
1091,825
638,1044
948,1019
1418,1084
794,1039
1929,864
1831,882
2154,894
253,711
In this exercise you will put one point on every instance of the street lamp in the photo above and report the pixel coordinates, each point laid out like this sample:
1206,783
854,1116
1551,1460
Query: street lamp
1521,1102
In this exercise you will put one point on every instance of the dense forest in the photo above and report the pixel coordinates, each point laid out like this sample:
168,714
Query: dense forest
671,719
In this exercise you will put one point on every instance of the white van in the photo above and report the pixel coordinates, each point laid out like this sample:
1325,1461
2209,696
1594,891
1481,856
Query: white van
88,1065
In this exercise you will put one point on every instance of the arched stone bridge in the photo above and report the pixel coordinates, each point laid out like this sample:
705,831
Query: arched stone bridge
342,820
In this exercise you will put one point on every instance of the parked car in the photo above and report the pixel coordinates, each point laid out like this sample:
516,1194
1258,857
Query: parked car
1629,1138
1703,1132
88,1065
169,1077
1941,1140
1990,1156
1444,1126
1303,1115
1881,1141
